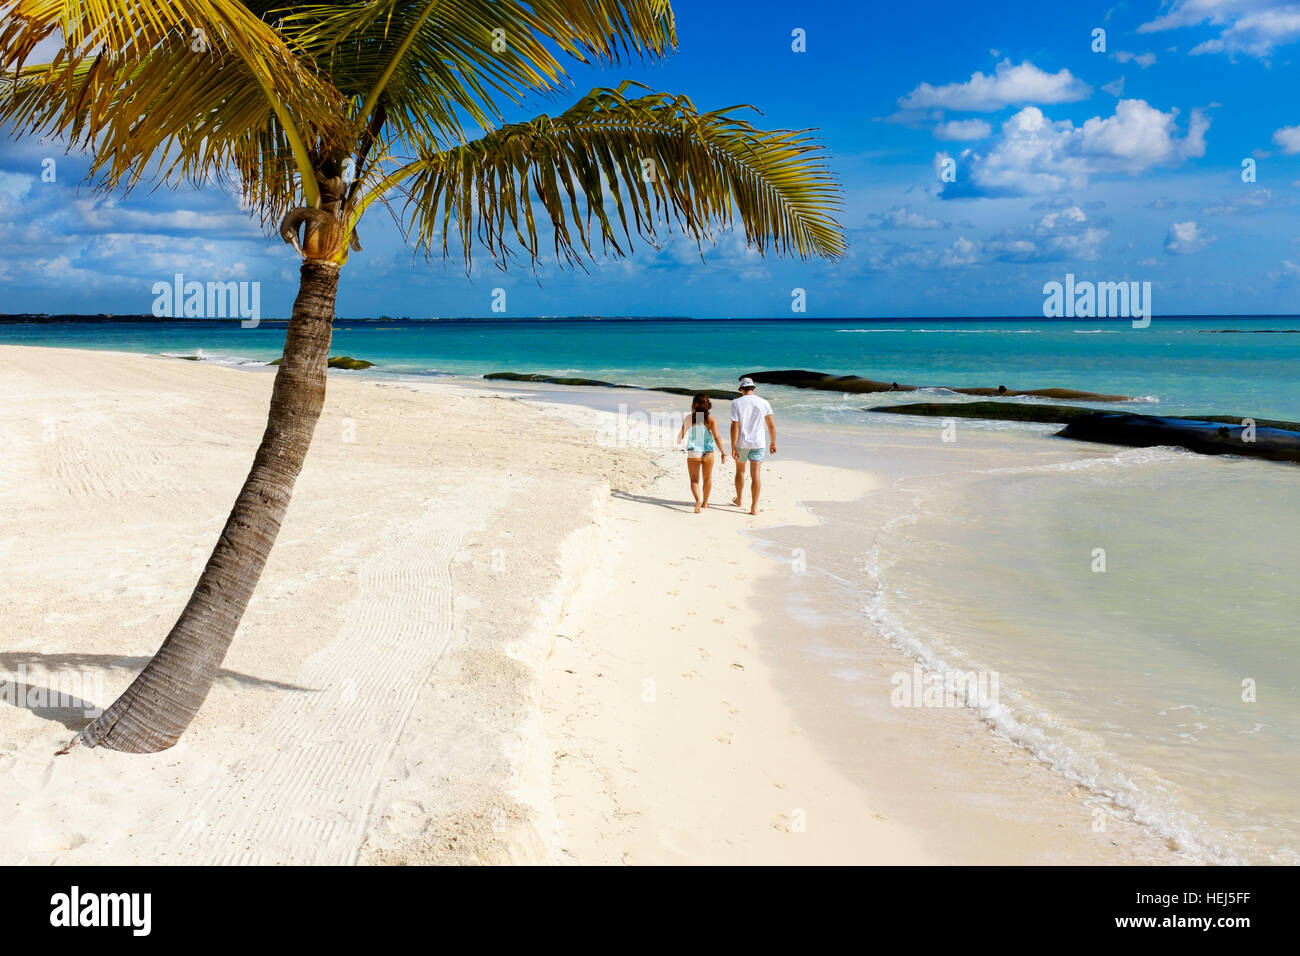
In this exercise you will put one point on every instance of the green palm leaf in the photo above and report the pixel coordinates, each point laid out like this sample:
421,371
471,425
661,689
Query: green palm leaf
185,84
437,61
653,162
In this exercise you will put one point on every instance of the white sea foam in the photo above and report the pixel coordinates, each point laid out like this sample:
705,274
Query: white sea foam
1080,757
232,361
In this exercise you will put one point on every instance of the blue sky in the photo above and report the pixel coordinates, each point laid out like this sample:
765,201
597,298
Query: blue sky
1117,165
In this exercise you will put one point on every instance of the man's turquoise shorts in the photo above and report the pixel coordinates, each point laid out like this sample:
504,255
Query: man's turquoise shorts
750,454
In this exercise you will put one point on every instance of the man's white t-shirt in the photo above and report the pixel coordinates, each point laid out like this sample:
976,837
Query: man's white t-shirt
751,411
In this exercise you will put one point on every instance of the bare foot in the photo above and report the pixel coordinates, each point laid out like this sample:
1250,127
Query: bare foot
736,501
754,510
705,505
697,507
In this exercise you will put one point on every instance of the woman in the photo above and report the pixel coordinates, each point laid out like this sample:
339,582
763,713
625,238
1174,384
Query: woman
702,440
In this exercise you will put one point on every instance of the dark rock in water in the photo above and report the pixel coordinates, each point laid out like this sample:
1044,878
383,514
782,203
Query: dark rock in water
1027,412
989,411
1206,437
551,380
341,361
1045,393
718,393
802,378
852,384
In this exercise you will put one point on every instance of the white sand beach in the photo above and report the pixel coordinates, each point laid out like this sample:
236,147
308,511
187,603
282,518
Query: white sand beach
482,637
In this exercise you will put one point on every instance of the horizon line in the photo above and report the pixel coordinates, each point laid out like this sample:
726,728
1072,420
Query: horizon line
34,317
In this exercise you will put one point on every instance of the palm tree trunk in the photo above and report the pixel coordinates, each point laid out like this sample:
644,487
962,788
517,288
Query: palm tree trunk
159,705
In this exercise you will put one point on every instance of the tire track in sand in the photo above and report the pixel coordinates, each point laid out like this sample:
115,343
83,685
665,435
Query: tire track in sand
303,794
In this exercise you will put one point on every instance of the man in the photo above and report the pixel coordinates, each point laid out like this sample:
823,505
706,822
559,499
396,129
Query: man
751,416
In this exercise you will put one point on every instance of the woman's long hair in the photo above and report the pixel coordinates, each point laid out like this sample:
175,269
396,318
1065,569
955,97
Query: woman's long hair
700,406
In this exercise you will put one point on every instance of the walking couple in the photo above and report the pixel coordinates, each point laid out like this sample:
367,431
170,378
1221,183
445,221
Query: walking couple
753,438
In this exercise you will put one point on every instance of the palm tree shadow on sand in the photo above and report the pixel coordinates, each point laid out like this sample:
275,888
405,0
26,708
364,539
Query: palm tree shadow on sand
72,711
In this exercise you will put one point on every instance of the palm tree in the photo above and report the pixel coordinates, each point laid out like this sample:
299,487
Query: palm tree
314,111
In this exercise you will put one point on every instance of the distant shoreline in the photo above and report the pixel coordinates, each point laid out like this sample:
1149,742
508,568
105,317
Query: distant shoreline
73,318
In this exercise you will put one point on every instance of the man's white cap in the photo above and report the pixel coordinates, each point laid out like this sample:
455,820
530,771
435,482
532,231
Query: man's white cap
747,383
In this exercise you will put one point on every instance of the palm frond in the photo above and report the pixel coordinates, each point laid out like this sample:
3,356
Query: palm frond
436,62
652,161
187,81
607,30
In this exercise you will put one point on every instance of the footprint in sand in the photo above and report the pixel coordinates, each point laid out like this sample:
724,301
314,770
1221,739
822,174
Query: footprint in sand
739,667
723,738
53,842
407,817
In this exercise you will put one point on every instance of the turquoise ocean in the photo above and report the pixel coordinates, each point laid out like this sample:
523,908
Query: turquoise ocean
1169,681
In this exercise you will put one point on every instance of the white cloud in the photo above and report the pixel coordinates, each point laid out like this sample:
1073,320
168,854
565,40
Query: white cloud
1184,238
1255,199
964,130
1009,85
900,217
1035,155
729,251
1288,137
960,253
14,188
1253,27
963,252
1066,234
1143,60
103,214
1115,87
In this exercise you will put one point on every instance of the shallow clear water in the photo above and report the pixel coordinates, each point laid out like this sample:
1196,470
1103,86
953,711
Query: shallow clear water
1183,363
982,557
1137,607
